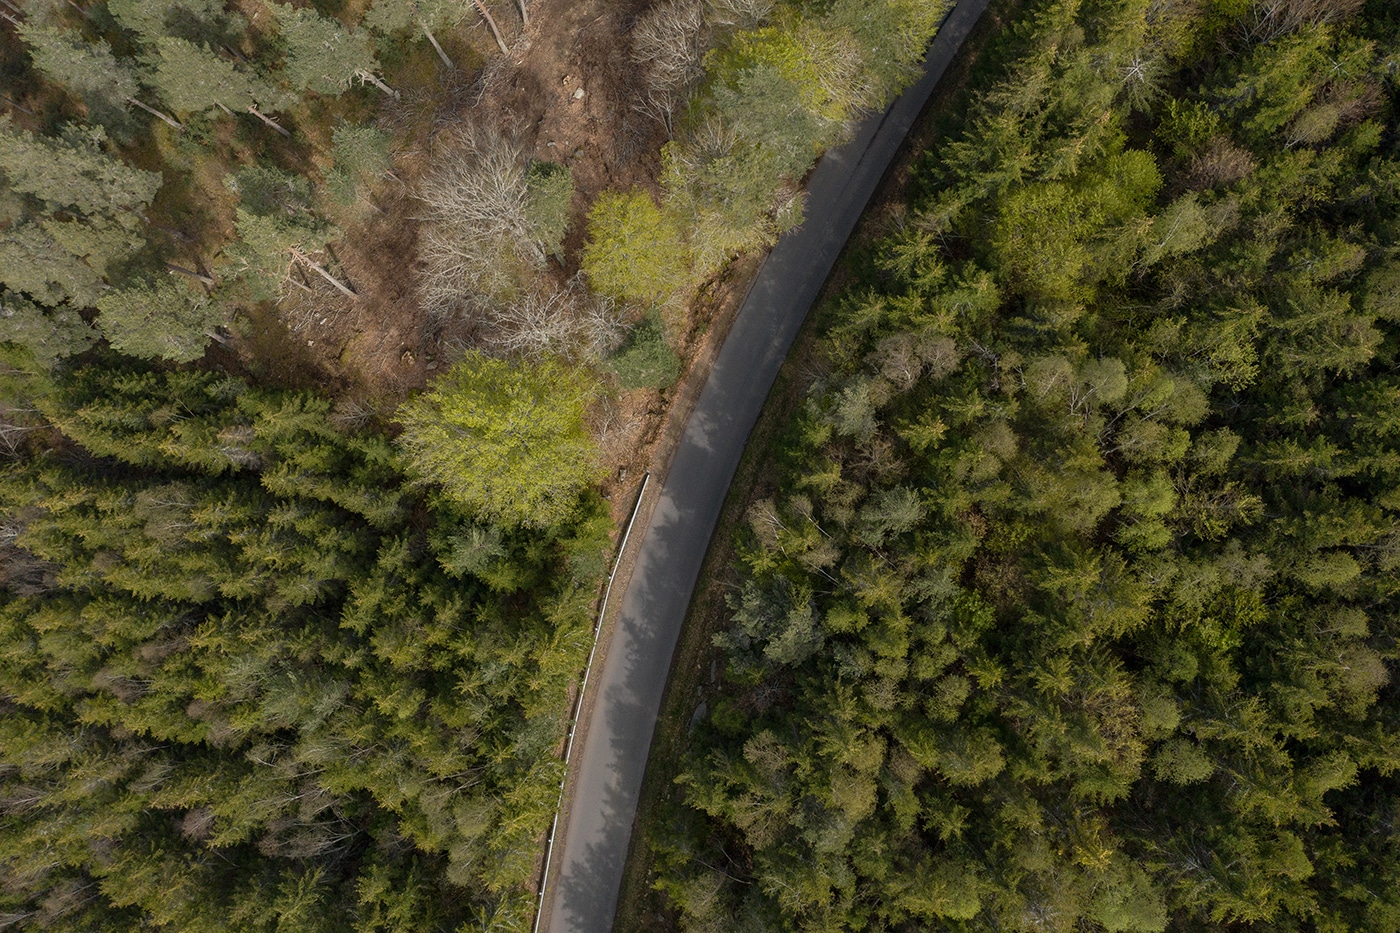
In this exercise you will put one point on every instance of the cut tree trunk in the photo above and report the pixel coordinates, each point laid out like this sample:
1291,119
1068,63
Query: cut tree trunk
269,121
486,15
437,48
372,78
191,273
179,127
11,102
340,286
261,116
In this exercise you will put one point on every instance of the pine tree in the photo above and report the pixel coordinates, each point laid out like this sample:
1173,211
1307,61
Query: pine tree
276,226
321,55
167,320
32,262
550,189
49,336
195,20
361,154
192,79
390,16
72,172
88,69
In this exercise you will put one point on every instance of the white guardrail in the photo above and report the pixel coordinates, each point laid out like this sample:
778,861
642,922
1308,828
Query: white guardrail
578,701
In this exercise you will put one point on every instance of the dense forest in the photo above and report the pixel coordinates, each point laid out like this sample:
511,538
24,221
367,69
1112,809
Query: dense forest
283,645
250,680
1074,602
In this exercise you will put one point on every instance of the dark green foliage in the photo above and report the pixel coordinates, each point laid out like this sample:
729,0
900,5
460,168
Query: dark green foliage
647,361
1077,608
248,683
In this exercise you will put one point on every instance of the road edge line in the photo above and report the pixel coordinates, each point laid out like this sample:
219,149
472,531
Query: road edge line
578,700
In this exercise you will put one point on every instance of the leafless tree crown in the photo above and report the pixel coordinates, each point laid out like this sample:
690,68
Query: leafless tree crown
476,235
668,43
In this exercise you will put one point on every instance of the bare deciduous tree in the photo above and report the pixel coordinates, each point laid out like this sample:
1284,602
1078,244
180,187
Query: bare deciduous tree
744,14
668,42
1269,19
477,232
559,322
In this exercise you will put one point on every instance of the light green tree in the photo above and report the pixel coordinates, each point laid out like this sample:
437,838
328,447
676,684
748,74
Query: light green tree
634,250
506,441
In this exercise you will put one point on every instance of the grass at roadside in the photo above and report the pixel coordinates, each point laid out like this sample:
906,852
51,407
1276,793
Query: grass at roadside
695,667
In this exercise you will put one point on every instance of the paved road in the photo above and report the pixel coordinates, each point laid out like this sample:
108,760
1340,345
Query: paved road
609,769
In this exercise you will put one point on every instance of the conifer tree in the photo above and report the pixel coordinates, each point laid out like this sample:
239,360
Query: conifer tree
192,79
167,320
72,172
361,154
90,70
321,55
49,335
390,16
276,226
32,263
195,20
507,442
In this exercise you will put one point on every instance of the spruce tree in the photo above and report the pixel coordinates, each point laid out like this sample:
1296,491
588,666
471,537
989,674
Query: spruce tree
166,320
321,55
506,441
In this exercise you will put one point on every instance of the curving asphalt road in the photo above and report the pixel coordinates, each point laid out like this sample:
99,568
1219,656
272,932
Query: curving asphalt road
616,740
